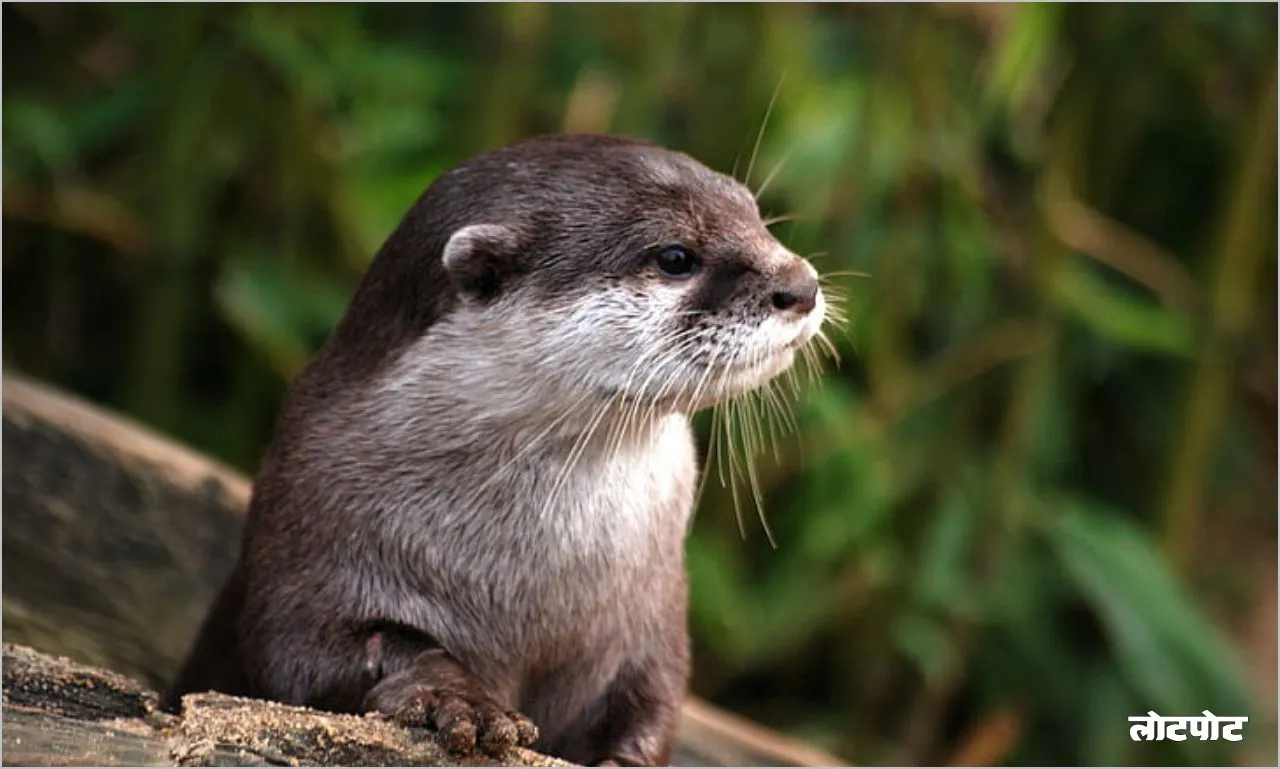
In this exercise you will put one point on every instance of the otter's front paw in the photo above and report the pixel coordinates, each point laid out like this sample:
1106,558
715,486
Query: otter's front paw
464,719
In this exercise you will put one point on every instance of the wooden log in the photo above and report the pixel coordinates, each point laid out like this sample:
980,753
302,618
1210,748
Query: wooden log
59,712
115,540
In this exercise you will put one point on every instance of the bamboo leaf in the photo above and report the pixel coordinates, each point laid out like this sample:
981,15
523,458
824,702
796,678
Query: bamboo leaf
1122,316
1175,660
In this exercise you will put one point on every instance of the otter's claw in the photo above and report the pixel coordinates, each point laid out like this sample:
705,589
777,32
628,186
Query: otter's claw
463,722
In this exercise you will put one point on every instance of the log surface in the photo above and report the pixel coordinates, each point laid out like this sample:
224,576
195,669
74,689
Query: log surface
115,542
58,712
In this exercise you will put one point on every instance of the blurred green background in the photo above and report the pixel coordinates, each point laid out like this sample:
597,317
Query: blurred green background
1039,494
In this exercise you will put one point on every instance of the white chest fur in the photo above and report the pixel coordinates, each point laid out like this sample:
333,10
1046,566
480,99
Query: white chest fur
532,552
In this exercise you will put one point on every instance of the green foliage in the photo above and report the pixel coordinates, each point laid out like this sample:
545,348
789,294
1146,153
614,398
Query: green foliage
1024,506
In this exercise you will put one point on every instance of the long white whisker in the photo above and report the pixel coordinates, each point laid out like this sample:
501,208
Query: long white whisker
579,446
763,123
535,443
772,175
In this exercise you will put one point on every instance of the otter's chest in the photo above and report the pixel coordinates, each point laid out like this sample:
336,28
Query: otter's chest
622,504
613,554
561,538
606,526
600,534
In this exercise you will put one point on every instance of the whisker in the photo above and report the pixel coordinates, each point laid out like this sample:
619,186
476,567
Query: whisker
714,436
772,220
763,123
827,344
773,174
733,477
749,429
537,442
579,447
844,273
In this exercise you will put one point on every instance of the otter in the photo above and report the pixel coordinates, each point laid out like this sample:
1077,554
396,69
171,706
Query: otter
472,512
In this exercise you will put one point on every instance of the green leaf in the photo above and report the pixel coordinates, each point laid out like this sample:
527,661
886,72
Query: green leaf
1167,649
944,581
111,115
1122,316
717,596
1109,705
1022,606
1022,53
371,205
279,314
34,132
924,641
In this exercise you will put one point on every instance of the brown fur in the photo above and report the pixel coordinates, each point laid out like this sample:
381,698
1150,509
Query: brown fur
419,541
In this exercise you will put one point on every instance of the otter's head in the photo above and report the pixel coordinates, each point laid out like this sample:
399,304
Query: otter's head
595,267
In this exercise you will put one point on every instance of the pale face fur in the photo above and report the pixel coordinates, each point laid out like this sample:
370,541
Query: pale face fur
633,339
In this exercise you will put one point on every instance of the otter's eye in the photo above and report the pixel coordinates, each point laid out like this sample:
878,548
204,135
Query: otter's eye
677,262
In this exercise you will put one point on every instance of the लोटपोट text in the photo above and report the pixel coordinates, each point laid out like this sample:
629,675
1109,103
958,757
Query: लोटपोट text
1204,727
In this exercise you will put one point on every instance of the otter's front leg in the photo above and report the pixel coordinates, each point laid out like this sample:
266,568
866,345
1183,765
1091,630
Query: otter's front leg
433,689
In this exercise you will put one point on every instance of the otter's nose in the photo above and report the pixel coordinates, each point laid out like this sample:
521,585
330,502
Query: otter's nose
796,291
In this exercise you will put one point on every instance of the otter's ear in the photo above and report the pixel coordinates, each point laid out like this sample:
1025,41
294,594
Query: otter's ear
480,258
